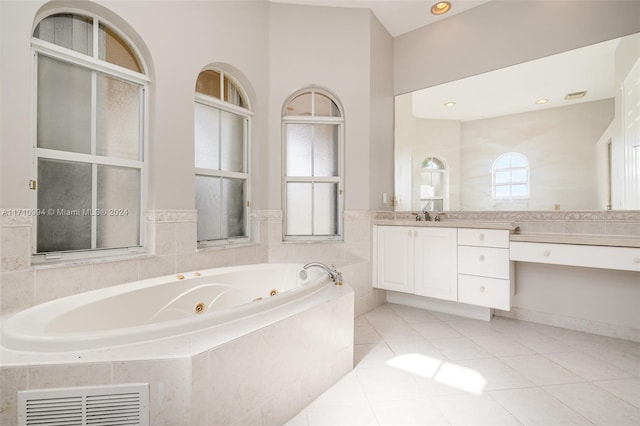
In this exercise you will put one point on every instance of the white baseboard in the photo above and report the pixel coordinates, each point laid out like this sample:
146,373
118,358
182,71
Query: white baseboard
444,306
587,326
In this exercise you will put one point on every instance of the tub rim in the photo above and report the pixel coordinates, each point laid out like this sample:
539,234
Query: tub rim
38,340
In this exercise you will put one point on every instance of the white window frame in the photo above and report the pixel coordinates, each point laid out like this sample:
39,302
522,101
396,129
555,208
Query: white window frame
313,119
59,53
247,114
444,172
511,182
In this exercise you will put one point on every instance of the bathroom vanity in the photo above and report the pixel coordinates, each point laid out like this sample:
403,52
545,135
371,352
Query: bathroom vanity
456,267
468,267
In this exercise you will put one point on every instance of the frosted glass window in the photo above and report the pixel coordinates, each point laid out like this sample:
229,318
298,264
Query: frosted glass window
510,176
325,209
207,137
208,202
299,140
325,150
232,138
73,32
64,194
312,150
89,137
220,203
118,118
233,212
64,106
299,209
221,149
118,207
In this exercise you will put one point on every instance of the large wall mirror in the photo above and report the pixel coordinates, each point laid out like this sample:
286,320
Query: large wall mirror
557,133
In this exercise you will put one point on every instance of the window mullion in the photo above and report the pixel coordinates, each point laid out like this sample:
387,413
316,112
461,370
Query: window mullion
94,166
96,38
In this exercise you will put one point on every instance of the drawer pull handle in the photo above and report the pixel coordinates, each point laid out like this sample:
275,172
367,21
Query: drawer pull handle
482,289
481,236
636,260
547,253
482,258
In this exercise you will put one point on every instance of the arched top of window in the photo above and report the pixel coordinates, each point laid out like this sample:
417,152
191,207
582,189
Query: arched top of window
217,84
510,160
312,103
432,163
89,36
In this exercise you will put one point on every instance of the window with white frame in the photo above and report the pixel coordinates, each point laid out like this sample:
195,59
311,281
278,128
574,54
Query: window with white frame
89,147
312,194
510,176
221,122
433,185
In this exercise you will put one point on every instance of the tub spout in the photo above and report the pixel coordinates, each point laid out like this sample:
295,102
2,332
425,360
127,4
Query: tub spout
335,276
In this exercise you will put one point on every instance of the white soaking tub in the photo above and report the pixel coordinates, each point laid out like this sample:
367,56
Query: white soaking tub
158,309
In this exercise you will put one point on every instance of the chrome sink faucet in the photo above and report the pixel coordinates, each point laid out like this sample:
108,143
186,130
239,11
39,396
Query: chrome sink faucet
335,276
426,214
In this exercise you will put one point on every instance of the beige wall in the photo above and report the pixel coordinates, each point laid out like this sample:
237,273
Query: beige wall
274,49
560,145
381,124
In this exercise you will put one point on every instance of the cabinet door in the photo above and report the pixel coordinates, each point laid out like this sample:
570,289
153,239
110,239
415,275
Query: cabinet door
394,258
436,263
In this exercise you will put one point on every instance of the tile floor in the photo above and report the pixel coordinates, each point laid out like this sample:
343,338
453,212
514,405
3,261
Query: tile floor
416,367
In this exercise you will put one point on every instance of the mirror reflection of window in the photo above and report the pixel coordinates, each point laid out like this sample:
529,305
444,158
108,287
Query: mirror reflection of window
433,184
510,176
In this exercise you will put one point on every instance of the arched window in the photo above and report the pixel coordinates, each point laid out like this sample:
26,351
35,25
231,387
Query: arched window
510,176
312,193
221,122
90,144
433,185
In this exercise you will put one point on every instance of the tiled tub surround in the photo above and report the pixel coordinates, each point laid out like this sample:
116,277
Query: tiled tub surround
284,368
278,363
173,249
594,300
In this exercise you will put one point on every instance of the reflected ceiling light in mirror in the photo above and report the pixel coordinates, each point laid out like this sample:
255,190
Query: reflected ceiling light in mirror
440,8
542,101
450,104
515,89
575,95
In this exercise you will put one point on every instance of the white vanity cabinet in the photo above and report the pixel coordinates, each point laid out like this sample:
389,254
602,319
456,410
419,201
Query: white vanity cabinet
416,260
485,273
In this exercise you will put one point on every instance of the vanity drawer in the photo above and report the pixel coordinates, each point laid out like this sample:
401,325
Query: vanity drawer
622,258
483,237
482,291
484,261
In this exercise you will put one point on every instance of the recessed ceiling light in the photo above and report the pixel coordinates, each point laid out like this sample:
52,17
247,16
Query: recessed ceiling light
542,101
450,104
440,7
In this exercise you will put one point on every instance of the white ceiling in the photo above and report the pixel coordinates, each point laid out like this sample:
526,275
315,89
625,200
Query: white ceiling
397,16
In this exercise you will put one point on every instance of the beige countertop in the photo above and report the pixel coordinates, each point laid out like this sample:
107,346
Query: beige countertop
580,239
447,224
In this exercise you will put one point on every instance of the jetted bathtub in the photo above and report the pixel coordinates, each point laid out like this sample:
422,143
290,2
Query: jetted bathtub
159,308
